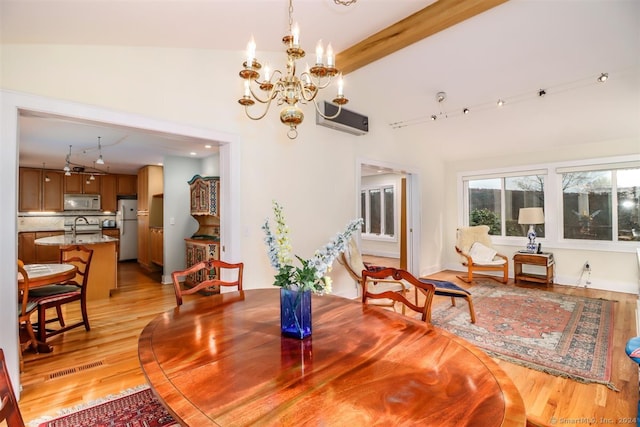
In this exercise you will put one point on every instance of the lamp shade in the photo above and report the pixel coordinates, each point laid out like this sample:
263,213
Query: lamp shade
531,216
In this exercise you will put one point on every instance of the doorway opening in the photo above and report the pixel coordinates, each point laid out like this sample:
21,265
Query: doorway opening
388,201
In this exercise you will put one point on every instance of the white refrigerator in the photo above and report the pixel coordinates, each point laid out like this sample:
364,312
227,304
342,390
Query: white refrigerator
127,222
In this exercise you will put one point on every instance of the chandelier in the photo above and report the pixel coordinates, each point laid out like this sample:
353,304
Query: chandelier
286,88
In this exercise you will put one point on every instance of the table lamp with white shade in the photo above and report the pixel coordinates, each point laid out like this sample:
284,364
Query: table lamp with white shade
531,216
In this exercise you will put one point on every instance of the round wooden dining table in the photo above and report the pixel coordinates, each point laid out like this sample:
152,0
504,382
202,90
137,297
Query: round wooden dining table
47,274
220,360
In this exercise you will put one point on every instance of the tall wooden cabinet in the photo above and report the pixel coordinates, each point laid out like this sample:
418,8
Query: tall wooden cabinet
205,243
149,184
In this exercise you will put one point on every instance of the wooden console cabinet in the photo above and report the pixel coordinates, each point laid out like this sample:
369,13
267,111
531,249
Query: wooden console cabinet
544,259
204,244
201,250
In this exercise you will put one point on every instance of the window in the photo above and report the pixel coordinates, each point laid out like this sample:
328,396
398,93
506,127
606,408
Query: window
378,211
496,202
597,201
598,205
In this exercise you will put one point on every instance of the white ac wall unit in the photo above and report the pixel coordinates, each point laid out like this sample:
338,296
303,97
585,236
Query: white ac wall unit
346,121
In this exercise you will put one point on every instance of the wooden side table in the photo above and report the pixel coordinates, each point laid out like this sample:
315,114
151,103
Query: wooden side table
544,259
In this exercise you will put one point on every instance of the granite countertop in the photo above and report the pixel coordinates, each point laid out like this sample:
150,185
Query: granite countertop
67,239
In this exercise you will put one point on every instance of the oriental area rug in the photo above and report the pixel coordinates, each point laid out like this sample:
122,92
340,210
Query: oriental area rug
562,335
134,408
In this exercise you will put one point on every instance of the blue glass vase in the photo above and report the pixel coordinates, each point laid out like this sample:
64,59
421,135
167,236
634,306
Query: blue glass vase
295,313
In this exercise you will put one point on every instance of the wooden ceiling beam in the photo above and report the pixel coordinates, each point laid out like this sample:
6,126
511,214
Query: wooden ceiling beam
436,17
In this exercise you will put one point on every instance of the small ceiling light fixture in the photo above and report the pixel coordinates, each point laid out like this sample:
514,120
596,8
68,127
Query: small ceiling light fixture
465,111
46,176
286,88
603,77
542,93
434,117
67,168
500,102
100,160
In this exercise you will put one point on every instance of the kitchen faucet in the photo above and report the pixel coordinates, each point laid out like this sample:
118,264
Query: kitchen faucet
75,225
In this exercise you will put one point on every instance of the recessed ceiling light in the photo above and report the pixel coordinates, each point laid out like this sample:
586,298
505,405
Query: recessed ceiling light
193,153
207,146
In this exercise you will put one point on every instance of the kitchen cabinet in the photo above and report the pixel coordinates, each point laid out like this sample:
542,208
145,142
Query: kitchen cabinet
27,247
52,200
115,233
77,183
108,193
127,185
73,184
30,253
91,186
143,240
149,184
156,245
30,189
201,250
34,194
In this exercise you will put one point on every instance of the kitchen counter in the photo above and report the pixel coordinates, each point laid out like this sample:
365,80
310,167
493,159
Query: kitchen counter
80,239
103,272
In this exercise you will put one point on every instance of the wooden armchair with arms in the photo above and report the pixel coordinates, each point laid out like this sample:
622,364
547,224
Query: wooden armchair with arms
427,289
208,265
473,244
55,296
351,259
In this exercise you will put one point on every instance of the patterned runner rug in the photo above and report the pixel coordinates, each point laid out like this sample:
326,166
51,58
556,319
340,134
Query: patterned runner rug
134,408
558,334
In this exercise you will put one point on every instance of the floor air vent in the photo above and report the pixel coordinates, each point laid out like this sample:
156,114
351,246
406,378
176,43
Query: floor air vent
70,371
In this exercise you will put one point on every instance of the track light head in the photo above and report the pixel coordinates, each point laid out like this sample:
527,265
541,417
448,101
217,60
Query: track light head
542,92
603,77
465,111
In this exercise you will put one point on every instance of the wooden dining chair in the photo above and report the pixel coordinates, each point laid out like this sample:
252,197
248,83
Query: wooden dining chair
55,296
212,270
351,259
25,309
9,409
427,289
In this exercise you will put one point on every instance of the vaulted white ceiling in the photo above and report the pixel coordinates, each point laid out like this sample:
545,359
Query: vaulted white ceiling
510,52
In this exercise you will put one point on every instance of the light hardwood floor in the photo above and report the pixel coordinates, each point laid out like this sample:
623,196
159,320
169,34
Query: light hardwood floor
85,366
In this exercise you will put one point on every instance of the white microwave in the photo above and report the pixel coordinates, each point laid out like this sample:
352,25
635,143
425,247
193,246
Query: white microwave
81,202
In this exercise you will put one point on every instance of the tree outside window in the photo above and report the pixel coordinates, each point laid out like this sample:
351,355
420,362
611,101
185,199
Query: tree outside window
486,206
586,202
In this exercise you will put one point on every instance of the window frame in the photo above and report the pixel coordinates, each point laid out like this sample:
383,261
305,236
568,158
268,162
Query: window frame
380,237
553,197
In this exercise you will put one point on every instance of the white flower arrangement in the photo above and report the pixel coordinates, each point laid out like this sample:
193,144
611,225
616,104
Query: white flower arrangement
311,274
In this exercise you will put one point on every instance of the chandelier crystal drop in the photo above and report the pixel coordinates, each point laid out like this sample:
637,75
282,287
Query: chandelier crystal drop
286,88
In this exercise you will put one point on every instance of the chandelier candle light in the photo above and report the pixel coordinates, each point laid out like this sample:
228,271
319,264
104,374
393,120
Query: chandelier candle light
297,283
287,88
